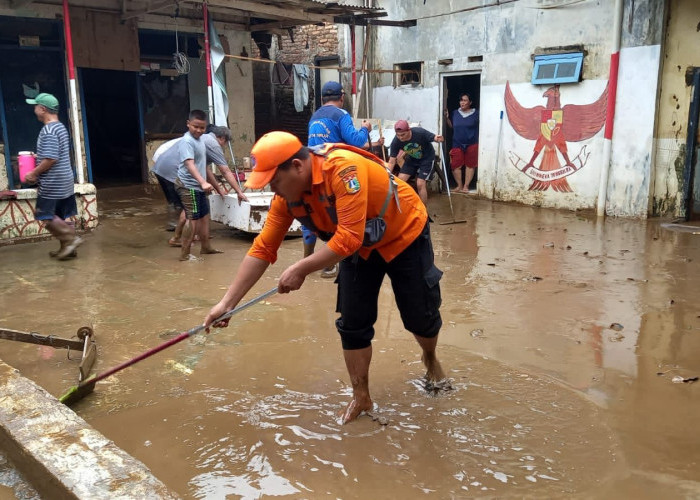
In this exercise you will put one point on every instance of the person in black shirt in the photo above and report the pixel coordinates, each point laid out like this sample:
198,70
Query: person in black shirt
413,150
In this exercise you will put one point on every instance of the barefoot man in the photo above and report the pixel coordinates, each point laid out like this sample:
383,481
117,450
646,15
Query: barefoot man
341,193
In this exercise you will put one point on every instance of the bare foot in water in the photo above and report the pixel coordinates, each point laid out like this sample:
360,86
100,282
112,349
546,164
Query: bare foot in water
435,379
433,368
355,409
210,251
190,258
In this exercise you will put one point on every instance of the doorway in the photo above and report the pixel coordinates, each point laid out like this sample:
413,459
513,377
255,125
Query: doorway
111,112
452,87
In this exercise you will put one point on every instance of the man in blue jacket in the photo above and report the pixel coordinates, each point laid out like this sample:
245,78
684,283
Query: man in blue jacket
331,123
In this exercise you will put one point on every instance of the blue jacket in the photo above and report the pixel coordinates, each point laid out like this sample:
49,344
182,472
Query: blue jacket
332,124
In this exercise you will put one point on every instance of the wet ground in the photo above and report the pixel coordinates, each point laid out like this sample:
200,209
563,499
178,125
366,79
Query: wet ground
568,340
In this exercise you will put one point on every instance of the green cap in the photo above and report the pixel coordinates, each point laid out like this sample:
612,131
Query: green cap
46,100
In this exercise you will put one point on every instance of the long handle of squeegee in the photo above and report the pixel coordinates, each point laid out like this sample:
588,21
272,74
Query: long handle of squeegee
78,392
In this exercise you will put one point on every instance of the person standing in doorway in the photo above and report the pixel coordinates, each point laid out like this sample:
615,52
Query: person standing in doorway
331,123
55,202
413,146
464,155
193,183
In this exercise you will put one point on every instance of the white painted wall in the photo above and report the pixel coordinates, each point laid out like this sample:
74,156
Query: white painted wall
413,105
506,36
629,188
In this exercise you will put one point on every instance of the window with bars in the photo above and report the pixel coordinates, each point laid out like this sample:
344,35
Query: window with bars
408,74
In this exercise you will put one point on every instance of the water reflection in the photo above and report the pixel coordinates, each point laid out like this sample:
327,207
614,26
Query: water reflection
549,401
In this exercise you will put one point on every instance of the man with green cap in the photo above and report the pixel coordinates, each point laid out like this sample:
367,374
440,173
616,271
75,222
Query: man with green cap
55,202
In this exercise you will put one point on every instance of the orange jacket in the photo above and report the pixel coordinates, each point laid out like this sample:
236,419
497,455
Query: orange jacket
347,189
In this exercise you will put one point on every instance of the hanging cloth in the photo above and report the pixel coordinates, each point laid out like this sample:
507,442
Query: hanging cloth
280,75
301,86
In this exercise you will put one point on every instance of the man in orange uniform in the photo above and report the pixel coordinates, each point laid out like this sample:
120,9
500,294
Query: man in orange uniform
334,191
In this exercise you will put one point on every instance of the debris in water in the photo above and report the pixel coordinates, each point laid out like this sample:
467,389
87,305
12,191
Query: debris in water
617,327
477,333
379,420
434,388
174,365
532,278
681,380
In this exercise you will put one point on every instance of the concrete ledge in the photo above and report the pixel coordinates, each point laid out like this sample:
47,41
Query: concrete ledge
60,454
17,224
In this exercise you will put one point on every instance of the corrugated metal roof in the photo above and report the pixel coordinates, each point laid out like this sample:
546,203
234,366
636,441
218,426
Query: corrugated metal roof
241,12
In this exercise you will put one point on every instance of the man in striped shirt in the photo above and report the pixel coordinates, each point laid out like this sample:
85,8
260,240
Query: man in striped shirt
55,202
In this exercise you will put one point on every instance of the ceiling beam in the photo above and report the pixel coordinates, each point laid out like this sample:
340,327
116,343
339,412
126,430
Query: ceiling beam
260,10
274,25
18,4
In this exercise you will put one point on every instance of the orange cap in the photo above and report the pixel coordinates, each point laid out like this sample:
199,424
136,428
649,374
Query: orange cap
271,150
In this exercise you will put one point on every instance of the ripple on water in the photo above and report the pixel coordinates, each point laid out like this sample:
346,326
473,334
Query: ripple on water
499,431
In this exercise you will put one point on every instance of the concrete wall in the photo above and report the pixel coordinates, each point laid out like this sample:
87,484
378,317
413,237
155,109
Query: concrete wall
239,85
680,52
505,37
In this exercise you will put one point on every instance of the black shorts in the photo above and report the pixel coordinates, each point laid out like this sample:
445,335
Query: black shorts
420,170
169,191
194,202
416,284
46,209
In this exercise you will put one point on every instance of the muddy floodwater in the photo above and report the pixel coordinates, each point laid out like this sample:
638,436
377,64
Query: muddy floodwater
572,344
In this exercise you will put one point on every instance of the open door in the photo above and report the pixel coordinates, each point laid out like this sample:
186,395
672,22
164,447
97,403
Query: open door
113,128
453,87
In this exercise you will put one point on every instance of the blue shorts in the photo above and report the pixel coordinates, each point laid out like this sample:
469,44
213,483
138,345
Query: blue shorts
308,236
46,209
416,283
194,202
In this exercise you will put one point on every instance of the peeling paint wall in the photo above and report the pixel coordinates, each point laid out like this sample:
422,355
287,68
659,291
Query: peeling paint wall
498,40
680,52
239,84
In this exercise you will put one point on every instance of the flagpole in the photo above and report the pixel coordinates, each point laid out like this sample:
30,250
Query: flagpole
75,120
210,90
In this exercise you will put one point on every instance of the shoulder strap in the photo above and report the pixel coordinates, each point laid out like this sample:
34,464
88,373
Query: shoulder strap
326,149
391,191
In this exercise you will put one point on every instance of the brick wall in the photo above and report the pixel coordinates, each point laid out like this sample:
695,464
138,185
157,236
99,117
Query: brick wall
274,103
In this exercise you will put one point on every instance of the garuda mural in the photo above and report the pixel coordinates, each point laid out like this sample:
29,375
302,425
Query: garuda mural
552,127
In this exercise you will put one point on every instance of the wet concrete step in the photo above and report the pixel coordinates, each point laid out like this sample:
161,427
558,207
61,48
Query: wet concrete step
60,454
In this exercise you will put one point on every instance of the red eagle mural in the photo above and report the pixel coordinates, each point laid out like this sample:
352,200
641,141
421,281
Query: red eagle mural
552,127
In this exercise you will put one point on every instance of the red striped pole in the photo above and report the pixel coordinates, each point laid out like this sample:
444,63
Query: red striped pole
73,97
610,113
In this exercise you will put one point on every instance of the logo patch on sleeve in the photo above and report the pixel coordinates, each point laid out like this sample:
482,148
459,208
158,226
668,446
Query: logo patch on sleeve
349,177
351,182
